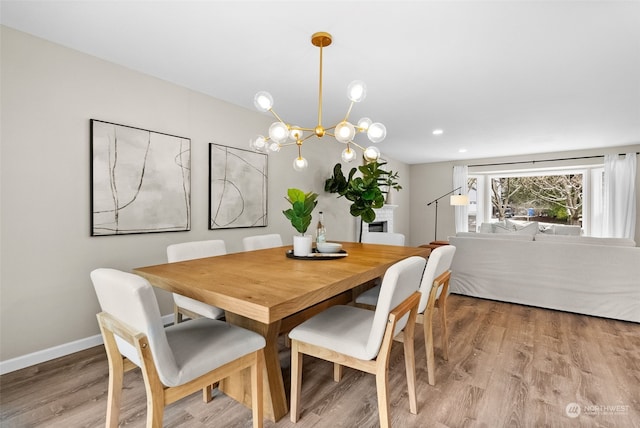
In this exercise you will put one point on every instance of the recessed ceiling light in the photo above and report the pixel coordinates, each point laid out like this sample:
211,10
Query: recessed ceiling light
437,132
463,150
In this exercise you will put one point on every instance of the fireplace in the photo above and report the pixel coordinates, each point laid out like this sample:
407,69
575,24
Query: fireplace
378,226
382,223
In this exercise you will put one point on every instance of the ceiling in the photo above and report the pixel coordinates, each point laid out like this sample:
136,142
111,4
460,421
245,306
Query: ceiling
500,78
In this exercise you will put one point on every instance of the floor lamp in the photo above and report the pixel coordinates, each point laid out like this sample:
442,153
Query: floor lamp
458,199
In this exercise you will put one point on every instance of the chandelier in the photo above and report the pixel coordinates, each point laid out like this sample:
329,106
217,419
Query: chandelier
283,134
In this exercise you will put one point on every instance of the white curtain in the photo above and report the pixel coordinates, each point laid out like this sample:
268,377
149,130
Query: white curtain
619,217
460,175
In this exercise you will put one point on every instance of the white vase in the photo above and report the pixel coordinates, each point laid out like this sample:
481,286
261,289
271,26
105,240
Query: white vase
389,198
302,245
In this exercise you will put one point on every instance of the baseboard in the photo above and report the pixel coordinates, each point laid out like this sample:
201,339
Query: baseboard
45,355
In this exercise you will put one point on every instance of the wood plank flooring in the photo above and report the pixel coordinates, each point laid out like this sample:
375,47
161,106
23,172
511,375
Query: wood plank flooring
509,365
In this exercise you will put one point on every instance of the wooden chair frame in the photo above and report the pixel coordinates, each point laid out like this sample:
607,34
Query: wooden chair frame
179,313
378,366
159,395
426,320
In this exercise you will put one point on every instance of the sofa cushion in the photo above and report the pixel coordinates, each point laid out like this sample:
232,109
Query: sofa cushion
561,229
592,240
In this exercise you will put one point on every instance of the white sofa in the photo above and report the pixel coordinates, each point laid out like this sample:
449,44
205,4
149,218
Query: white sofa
586,275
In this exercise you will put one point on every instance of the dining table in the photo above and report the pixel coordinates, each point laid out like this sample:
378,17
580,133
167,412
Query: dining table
270,291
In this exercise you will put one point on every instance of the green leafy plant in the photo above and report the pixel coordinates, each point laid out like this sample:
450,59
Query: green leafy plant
364,191
302,204
390,180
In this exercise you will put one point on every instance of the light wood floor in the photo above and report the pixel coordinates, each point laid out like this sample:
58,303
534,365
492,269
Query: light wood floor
509,365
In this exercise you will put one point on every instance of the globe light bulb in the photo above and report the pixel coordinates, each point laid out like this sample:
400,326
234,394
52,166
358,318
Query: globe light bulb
345,132
274,147
348,155
258,144
296,134
357,91
364,124
278,132
263,101
300,163
377,132
371,154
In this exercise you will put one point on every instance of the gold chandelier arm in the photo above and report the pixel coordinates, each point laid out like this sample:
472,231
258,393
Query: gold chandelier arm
287,144
278,117
346,117
307,137
357,145
303,129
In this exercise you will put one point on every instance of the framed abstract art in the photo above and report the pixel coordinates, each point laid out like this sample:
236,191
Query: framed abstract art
237,188
140,180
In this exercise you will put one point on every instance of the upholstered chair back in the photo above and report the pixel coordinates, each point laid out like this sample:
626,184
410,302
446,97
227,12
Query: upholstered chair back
399,282
195,250
130,298
439,261
259,242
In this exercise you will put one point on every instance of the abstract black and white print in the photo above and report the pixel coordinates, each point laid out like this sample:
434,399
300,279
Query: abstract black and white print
237,188
140,180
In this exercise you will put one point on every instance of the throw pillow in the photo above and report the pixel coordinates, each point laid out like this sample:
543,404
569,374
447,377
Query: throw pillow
525,228
486,228
501,227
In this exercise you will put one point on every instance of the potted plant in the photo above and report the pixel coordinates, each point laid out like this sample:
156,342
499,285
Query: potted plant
364,192
389,180
302,204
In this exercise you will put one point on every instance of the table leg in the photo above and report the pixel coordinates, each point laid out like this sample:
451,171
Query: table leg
239,388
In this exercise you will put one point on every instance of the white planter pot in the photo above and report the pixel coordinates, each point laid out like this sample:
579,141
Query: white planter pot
302,245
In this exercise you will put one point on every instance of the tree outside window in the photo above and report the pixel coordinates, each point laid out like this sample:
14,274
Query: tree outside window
546,198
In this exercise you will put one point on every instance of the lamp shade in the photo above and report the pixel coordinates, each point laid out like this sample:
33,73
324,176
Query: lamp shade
459,200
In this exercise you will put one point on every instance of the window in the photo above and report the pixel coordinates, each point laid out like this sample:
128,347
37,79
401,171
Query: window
564,195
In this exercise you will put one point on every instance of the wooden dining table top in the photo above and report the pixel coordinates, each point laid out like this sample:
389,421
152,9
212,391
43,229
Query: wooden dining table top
266,285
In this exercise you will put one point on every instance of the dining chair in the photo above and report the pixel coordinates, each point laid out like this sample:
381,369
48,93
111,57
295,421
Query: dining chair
386,238
188,251
434,289
259,242
176,361
362,339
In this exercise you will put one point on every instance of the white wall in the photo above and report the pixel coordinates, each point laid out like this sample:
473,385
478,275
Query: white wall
49,93
429,181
